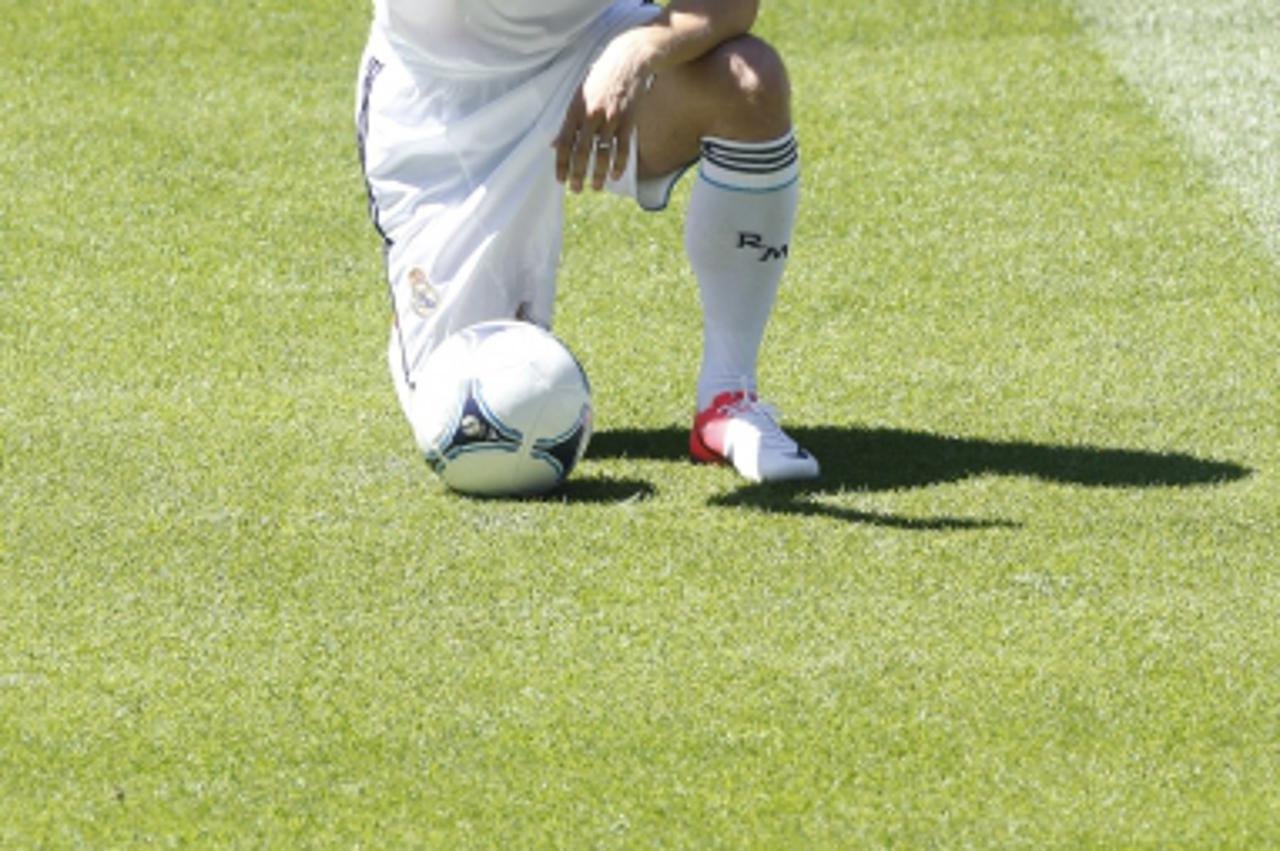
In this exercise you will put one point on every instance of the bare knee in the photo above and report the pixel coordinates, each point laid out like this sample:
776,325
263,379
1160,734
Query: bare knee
737,91
748,83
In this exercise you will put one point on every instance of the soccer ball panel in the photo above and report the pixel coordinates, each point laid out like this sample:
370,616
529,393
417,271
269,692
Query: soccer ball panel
502,408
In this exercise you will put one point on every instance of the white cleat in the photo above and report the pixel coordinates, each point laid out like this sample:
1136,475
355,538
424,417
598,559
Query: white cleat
739,429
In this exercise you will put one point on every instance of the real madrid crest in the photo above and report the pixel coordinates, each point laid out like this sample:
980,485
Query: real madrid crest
424,296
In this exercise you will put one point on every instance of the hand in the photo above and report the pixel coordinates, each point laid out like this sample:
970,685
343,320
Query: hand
601,118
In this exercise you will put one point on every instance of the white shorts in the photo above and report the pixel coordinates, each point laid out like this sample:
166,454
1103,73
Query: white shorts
462,188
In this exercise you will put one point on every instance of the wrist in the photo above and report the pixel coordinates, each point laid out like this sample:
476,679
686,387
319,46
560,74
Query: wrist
644,49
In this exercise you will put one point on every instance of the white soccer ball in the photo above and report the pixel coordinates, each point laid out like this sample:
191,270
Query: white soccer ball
503,409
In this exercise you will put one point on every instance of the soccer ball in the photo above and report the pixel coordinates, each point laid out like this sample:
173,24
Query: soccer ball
502,409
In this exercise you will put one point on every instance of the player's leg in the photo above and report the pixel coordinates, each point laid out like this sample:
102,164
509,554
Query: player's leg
731,109
470,219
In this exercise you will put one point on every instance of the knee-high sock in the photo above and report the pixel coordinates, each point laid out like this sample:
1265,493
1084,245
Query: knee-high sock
737,237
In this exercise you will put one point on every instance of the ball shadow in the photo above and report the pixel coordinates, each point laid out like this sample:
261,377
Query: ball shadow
601,491
583,491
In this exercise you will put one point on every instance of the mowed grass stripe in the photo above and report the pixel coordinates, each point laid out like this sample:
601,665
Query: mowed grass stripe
1213,70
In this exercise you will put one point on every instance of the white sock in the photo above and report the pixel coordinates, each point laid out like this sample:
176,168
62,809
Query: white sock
737,236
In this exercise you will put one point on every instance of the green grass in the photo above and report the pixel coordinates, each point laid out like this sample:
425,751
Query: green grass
1033,601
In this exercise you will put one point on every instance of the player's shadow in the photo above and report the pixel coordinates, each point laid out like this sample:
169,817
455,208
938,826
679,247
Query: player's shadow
873,460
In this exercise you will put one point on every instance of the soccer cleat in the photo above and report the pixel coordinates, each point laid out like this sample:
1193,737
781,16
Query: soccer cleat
739,429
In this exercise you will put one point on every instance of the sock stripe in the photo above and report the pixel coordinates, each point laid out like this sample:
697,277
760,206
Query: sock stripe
751,160
748,148
750,166
756,189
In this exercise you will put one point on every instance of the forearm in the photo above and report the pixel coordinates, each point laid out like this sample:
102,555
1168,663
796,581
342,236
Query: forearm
686,29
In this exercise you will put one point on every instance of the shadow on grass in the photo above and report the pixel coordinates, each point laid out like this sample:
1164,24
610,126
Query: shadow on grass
586,491
873,460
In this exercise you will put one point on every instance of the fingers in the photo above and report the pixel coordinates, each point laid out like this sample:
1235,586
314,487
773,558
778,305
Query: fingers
567,139
597,156
583,149
589,147
605,151
622,149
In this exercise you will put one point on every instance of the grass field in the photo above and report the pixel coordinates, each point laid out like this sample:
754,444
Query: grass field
1030,328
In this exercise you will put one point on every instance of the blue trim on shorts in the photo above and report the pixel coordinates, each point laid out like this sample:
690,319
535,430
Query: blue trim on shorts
675,178
372,70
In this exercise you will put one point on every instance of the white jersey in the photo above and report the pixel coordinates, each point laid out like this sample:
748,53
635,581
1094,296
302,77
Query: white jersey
486,36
